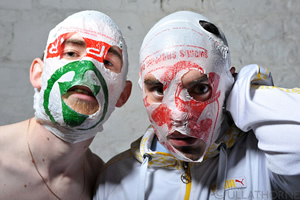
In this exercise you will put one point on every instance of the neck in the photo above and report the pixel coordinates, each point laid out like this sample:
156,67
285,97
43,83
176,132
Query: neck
225,126
53,155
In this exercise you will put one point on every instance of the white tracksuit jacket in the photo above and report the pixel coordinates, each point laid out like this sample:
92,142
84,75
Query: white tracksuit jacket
258,160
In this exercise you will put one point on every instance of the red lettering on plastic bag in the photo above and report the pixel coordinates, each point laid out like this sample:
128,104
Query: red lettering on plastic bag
94,49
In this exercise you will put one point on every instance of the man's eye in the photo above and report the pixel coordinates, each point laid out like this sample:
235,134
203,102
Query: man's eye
159,90
70,54
200,92
107,63
200,89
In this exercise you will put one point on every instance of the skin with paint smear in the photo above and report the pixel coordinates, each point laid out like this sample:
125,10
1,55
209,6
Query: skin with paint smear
200,89
69,169
185,77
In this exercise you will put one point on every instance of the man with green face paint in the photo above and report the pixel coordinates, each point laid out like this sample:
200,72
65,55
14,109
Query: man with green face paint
79,82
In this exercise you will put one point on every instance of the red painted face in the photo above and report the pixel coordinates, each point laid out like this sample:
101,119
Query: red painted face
184,78
181,100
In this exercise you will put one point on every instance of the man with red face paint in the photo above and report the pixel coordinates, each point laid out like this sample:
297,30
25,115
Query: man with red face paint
193,149
79,82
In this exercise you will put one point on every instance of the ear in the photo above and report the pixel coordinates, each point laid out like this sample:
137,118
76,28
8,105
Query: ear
232,71
36,71
124,95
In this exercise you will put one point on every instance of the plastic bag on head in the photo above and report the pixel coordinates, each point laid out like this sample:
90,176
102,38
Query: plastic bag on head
99,33
177,44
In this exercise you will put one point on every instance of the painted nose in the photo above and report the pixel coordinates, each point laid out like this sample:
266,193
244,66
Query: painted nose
178,123
178,118
178,107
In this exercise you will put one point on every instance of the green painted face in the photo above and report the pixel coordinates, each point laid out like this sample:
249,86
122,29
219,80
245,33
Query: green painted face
80,68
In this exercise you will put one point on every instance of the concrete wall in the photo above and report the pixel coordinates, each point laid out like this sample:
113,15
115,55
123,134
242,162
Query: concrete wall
265,32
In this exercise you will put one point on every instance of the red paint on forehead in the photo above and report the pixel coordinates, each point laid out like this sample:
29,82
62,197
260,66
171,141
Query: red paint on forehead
94,49
54,48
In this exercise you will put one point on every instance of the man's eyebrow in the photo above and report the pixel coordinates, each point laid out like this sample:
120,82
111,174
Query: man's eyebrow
200,80
75,41
115,52
152,82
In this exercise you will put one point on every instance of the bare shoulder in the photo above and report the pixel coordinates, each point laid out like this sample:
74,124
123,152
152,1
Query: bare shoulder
94,161
12,143
14,159
94,167
11,134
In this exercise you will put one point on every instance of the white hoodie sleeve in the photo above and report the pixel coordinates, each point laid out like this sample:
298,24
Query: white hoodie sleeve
272,113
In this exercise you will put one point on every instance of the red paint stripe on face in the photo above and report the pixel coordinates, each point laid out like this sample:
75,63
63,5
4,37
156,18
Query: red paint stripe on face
161,115
94,49
54,48
191,108
195,109
201,129
146,101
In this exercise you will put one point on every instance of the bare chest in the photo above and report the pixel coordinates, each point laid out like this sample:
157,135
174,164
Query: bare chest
20,182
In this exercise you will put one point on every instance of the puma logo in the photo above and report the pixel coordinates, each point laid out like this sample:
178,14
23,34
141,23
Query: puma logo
232,183
241,182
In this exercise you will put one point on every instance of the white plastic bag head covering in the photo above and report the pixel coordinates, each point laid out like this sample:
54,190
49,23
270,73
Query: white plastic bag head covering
59,75
175,45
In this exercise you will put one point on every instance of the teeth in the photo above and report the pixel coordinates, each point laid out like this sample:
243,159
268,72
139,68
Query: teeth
81,91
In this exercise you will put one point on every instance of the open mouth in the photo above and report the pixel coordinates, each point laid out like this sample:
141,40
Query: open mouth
82,90
81,99
81,93
178,139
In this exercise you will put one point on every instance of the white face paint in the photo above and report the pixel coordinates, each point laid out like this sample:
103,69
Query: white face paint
178,52
75,76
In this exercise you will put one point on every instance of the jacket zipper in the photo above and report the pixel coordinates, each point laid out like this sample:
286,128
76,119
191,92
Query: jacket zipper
186,179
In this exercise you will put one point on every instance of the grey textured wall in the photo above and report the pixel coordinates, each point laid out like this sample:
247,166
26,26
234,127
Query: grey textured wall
265,32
